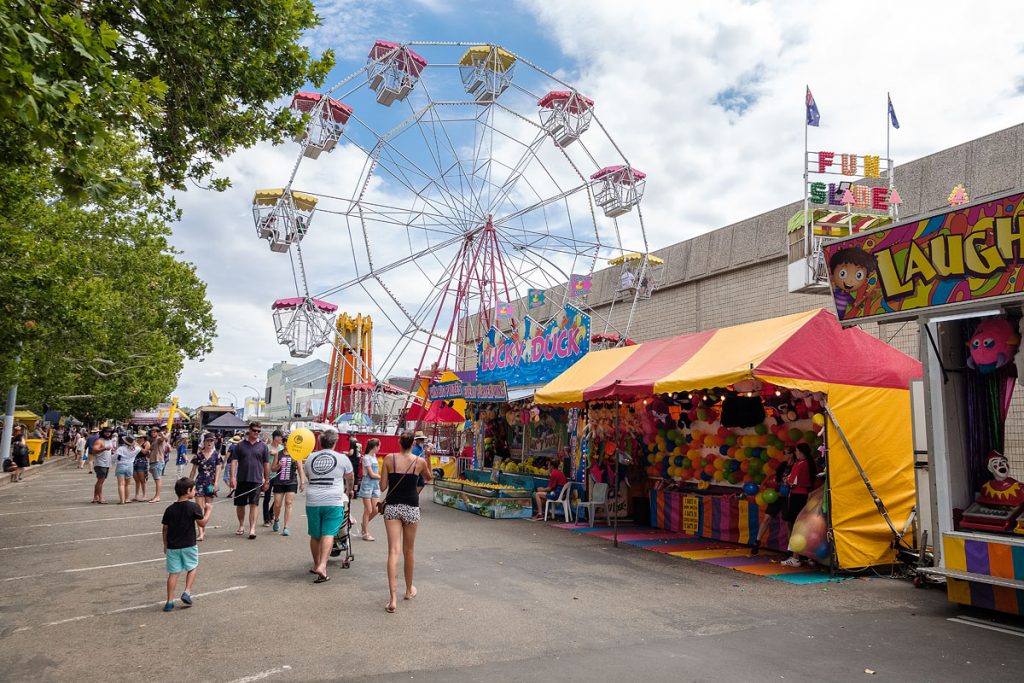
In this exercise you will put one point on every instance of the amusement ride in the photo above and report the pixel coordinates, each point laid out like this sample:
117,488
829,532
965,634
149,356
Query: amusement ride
484,185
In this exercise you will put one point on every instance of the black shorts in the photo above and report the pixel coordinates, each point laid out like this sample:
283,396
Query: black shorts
773,509
286,488
101,472
248,493
796,503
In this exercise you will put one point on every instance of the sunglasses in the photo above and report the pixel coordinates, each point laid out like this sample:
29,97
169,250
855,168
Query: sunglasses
255,430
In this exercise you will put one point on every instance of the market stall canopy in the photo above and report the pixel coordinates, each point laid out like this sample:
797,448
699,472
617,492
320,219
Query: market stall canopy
804,351
865,382
354,419
437,413
26,416
228,421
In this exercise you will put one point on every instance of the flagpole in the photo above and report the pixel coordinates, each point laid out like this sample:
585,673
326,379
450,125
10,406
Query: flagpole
807,231
893,211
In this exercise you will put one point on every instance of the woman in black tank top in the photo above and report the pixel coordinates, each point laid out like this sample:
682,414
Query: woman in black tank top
400,497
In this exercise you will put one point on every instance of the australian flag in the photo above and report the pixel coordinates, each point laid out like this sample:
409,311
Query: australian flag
813,117
892,115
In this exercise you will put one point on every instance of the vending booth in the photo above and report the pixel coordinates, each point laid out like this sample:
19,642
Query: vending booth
957,274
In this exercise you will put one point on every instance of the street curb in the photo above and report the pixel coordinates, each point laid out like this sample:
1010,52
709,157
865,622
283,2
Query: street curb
34,470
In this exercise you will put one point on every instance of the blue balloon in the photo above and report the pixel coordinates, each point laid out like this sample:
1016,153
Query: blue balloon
705,476
784,490
823,551
751,489
670,445
724,450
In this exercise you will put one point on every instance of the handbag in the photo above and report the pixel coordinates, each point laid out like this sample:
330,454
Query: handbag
382,504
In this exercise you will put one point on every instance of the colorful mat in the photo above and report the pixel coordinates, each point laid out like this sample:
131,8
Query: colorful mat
719,553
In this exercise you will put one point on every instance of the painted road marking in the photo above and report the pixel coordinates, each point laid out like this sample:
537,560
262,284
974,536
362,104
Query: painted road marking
84,521
979,623
32,512
126,564
80,540
263,674
133,608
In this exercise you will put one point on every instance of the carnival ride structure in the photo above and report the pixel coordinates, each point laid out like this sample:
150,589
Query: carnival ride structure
471,194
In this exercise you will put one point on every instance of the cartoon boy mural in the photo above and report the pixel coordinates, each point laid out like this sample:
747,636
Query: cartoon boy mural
849,270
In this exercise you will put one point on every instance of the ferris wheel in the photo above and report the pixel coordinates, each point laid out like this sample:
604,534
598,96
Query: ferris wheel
473,183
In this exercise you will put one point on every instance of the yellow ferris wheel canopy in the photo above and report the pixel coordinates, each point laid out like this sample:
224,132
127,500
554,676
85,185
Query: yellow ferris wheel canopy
495,57
302,201
635,256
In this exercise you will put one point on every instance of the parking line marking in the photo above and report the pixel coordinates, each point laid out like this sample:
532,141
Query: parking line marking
84,521
80,540
262,674
126,564
32,512
133,608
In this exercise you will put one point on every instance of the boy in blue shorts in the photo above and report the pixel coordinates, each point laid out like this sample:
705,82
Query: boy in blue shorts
180,547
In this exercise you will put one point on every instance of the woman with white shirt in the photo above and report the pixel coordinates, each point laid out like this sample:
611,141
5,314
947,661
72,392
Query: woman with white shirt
124,457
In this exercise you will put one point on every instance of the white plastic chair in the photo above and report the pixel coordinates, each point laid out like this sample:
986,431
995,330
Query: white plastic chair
598,499
563,500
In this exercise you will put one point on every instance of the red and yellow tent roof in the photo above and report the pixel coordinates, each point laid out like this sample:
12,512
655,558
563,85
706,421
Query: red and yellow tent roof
806,351
865,381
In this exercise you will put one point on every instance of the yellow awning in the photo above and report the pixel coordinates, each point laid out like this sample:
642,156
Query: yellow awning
496,58
302,201
26,416
635,256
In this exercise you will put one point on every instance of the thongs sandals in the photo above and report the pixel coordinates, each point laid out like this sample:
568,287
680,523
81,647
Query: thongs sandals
321,578
240,532
389,609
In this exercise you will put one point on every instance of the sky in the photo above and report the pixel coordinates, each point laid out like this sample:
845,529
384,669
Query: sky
707,98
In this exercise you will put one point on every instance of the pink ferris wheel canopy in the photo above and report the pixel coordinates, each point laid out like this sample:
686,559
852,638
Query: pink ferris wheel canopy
296,301
305,101
620,171
408,60
576,104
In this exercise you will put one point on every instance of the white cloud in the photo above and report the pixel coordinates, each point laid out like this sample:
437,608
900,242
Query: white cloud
656,71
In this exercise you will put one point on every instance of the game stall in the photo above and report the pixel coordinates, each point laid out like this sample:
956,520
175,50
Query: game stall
957,273
513,435
710,414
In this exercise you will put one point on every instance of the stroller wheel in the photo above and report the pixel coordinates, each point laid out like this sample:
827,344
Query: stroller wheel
344,565
335,552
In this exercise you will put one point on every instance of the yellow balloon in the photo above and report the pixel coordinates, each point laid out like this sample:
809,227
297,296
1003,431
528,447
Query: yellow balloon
818,419
301,443
797,543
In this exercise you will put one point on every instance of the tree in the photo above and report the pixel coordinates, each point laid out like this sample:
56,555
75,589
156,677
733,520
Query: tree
192,79
95,301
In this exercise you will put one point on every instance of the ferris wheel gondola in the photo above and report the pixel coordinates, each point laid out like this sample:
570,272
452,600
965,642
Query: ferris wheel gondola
476,190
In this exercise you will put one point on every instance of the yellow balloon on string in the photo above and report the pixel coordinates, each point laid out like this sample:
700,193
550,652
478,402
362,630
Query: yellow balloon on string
301,443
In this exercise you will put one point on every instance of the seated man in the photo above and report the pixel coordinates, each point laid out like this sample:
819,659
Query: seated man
556,481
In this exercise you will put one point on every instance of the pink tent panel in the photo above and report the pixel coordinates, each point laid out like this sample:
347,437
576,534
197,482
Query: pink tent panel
578,103
339,110
619,170
296,301
408,60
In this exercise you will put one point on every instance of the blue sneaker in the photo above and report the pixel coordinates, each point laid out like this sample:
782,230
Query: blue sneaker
169,607
186,598
277,526
285,532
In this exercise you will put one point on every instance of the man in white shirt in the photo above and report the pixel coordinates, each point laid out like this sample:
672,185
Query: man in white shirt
329,479
124,456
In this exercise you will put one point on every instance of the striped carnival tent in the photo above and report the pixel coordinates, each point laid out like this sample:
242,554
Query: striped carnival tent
865,384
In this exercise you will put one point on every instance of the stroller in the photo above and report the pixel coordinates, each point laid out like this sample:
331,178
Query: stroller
343,541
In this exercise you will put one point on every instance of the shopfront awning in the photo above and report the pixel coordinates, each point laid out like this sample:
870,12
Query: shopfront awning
804,351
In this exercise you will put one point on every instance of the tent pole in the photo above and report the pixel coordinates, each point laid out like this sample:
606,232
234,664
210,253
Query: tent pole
871,489
615,476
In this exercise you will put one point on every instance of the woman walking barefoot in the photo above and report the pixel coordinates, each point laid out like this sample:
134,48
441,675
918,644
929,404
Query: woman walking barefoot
369,486
402,513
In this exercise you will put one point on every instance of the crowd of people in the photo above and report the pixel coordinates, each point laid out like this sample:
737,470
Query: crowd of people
253,468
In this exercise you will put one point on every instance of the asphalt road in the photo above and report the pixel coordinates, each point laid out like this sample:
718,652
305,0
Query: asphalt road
82,588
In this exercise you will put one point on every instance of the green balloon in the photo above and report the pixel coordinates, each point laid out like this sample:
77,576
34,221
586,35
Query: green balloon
770,496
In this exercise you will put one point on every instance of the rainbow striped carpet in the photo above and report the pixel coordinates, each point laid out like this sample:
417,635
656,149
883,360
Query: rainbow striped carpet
720,553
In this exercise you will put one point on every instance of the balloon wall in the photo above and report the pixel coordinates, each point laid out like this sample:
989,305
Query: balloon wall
685,440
